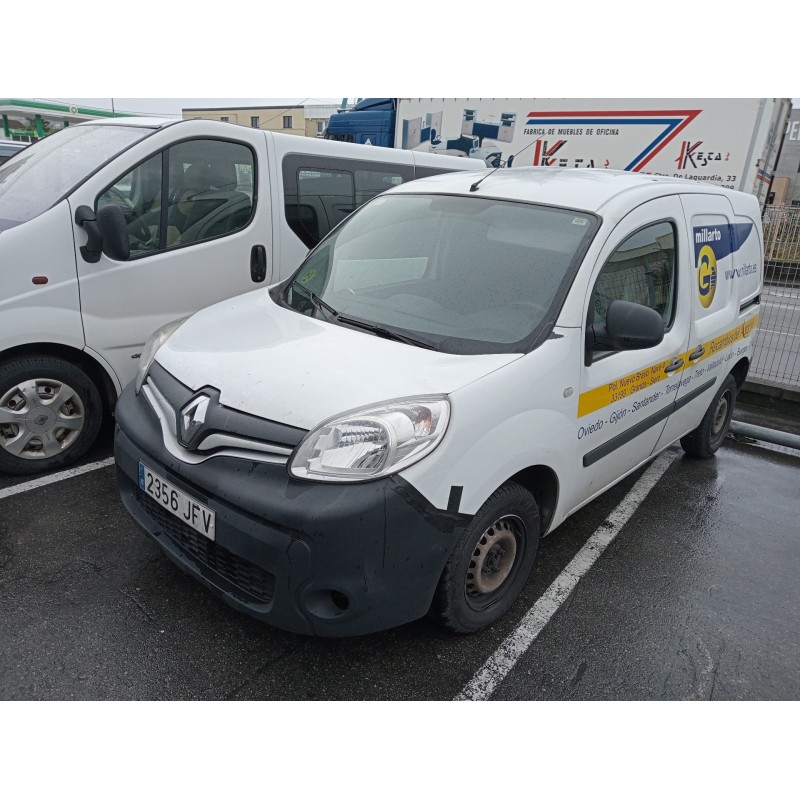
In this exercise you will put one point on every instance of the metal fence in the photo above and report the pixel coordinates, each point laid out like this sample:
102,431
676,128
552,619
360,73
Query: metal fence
776,358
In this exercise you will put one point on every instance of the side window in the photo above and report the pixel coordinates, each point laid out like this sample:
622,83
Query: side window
641,270
209,193
138,194
210,190
319,194
370,183
324,199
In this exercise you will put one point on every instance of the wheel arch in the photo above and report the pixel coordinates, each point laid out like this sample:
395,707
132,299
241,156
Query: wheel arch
739,372
542,482
79,358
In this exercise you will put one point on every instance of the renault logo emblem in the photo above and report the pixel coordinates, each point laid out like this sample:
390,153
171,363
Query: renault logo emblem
192,419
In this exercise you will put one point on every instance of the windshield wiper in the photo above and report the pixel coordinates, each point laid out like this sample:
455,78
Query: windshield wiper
384,333
315,299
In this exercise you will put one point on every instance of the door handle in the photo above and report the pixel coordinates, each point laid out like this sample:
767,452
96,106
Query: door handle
676,363
698,352
258,263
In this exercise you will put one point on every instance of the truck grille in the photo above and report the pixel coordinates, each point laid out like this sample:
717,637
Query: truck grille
252,581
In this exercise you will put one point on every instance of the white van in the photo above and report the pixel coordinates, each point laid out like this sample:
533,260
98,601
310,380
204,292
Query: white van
461,365
110,229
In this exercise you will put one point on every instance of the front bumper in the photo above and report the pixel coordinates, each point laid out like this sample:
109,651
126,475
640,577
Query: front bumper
313,558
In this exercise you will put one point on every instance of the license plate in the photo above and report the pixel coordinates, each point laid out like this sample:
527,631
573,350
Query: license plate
197,516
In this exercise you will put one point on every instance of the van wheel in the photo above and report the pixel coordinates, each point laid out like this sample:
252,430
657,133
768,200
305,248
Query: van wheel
50,414
490,563
707,437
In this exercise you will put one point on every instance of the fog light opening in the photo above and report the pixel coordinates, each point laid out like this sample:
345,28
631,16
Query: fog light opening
326,603
341,601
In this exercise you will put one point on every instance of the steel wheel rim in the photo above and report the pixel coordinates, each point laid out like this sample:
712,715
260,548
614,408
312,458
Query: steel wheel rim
720,416
40,418
494,561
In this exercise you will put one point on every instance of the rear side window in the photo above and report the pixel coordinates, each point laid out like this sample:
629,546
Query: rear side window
641,270
189,193
321,192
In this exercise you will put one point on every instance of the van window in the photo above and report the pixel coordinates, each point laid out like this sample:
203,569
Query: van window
208,190
320,193
42,174
138,194
641,270
189,193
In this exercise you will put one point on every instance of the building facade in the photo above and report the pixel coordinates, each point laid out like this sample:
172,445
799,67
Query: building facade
283,119
297,120
785,189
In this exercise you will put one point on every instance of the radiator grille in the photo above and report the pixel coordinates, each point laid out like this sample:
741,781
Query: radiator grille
252,581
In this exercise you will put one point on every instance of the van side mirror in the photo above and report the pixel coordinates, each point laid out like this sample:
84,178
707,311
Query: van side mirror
629,326
106,231
114,231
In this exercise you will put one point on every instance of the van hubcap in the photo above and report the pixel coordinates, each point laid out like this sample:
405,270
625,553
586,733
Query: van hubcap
40,418
720,415
493,557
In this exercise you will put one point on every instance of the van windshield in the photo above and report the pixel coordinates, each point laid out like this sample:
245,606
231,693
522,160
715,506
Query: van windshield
40,175
460,274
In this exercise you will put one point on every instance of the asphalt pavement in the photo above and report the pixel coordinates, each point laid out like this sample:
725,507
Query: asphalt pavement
694,598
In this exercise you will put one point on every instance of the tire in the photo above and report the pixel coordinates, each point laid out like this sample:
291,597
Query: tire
35,434
707,437
480,583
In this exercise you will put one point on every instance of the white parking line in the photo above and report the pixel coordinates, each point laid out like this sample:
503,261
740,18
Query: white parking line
54,478
500,663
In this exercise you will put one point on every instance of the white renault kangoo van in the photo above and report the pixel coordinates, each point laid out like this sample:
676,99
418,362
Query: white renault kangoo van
458,367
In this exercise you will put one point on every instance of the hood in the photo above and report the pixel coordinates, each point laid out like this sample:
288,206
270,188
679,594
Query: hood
280,365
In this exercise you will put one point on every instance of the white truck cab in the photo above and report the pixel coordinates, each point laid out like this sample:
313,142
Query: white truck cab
451,373
112,228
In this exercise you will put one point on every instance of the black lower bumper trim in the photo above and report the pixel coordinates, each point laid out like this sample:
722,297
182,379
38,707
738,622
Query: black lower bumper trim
313,558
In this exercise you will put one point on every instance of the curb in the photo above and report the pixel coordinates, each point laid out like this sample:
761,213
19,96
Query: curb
772,391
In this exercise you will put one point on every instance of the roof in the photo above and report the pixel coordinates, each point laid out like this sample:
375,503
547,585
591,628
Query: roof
137,122
584,189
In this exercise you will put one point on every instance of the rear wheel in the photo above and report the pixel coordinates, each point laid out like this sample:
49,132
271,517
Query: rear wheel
490,563
50,414
707,437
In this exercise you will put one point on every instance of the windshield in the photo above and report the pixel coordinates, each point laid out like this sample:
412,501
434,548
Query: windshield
463,274
40,175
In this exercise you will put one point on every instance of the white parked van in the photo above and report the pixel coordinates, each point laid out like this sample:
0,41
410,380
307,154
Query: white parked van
112,228
461,365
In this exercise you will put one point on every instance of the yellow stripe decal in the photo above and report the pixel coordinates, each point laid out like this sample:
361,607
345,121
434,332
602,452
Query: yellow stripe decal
642,379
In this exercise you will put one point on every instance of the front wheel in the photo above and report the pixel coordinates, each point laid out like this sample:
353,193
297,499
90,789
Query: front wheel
50,414
707,437
490,563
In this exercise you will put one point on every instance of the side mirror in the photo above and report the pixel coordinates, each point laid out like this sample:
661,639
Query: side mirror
114,231
629,326
106,231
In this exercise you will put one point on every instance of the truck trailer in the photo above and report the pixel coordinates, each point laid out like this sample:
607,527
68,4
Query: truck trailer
732,143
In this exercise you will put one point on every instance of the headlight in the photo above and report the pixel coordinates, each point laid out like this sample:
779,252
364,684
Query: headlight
372,442
151,348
